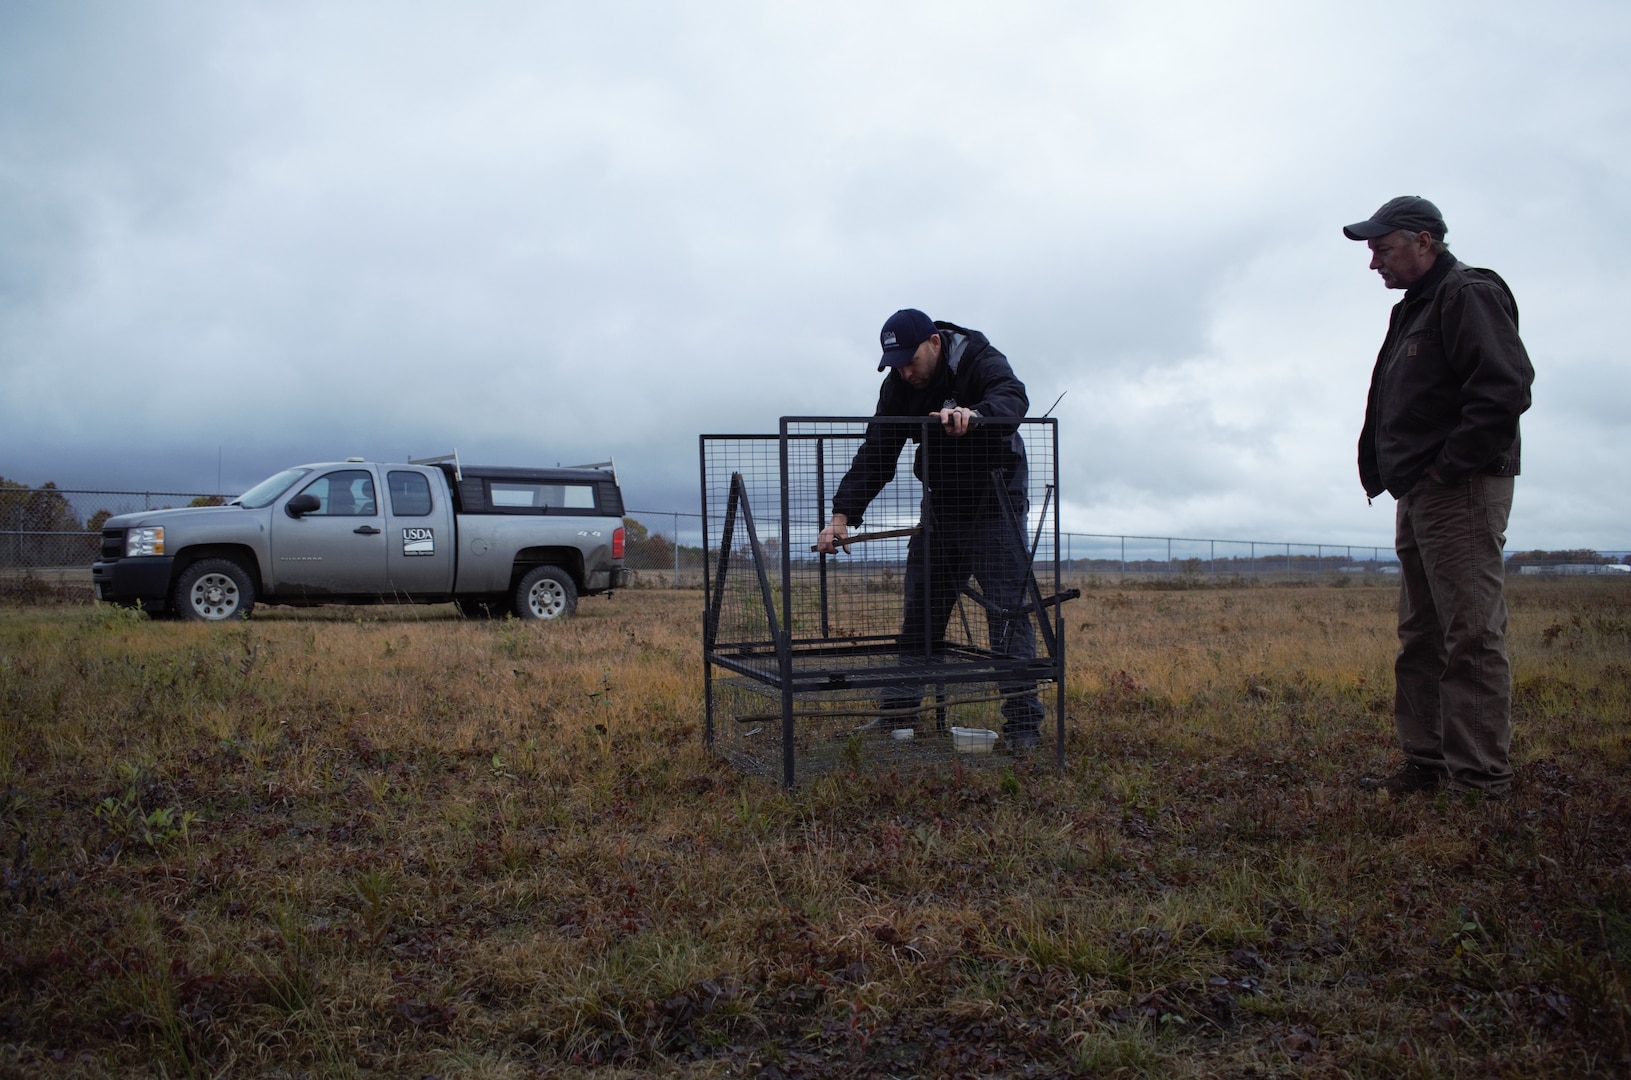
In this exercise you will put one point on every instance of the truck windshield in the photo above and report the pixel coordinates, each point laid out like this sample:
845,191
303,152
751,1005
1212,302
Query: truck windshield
270,488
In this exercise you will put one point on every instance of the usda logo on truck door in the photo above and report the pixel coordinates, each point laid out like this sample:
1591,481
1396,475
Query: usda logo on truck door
418,541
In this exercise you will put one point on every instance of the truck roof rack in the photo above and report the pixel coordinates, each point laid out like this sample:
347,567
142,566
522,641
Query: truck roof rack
607,464
458,473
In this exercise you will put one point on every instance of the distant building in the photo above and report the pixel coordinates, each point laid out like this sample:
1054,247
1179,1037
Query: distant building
1572,569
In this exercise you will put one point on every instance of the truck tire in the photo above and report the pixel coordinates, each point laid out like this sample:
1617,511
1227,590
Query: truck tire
547,592
213,590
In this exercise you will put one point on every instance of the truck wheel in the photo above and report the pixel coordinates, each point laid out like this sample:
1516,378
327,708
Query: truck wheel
213,590
547,592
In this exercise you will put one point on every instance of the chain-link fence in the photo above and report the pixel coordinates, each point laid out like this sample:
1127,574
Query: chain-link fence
1109,558
663,548
51,534
1117,558
53,529
660,562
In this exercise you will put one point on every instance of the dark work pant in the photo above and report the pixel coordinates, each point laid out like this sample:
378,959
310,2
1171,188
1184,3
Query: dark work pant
1453,684
988,550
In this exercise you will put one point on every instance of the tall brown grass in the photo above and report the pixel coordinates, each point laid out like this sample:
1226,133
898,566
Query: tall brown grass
401,843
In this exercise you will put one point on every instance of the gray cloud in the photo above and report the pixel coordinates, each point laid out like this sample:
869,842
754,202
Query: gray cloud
548,233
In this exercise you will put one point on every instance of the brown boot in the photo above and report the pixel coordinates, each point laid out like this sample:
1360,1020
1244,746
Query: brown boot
1413,779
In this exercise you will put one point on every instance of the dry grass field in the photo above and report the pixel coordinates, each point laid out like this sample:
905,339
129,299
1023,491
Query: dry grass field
391,842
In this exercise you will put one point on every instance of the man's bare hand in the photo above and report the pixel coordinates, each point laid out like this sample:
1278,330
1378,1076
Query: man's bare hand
833,536
956,420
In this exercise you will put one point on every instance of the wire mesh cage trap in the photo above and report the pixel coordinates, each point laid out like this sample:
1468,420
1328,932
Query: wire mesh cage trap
936,634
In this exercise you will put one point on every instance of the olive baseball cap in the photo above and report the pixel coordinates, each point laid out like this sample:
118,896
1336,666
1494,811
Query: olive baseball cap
1412,213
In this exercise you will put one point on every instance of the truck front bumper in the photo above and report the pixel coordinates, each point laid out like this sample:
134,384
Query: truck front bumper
144,580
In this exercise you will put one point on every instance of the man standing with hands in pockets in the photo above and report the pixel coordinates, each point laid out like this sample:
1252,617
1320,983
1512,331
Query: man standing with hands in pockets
1441,435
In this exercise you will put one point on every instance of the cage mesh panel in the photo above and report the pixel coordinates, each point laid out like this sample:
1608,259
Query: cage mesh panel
840,617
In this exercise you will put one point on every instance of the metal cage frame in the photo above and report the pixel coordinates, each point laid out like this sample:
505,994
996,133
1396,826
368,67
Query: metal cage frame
799,650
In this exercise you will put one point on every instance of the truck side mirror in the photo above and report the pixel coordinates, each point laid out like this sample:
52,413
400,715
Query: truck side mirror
302,504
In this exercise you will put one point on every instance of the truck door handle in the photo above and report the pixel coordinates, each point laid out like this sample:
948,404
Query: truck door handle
366,530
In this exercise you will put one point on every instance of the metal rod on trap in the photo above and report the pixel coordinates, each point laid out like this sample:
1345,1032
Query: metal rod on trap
919,710
887,534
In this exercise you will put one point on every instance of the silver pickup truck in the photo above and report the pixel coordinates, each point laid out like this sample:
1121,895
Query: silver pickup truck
357,532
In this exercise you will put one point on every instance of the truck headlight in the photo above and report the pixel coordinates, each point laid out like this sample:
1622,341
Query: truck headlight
145,541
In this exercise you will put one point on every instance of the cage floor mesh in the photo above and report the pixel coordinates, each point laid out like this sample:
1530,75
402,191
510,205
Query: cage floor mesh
846,731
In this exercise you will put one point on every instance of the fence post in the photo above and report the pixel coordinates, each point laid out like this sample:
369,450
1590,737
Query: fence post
676,550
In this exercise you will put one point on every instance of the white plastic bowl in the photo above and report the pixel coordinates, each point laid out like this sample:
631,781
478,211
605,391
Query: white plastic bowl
973,740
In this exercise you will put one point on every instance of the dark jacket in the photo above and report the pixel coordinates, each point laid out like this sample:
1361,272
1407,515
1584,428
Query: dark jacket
956,472
1449,385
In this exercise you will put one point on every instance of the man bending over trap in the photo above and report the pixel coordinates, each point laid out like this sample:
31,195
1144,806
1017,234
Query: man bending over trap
954,375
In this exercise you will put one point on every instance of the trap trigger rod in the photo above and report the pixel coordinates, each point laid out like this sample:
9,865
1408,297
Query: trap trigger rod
887,534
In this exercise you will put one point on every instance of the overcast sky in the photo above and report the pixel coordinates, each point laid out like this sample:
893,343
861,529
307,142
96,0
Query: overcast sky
239,236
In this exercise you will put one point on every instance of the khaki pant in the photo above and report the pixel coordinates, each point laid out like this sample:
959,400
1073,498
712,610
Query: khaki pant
1453,700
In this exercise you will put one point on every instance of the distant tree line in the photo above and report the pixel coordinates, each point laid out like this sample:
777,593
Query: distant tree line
32,521
45,509
31,509
646,550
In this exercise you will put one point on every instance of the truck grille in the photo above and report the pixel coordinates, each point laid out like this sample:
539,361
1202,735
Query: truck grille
113,544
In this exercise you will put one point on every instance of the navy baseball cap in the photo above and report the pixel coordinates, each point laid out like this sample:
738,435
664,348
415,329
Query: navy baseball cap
902,334
1412,213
